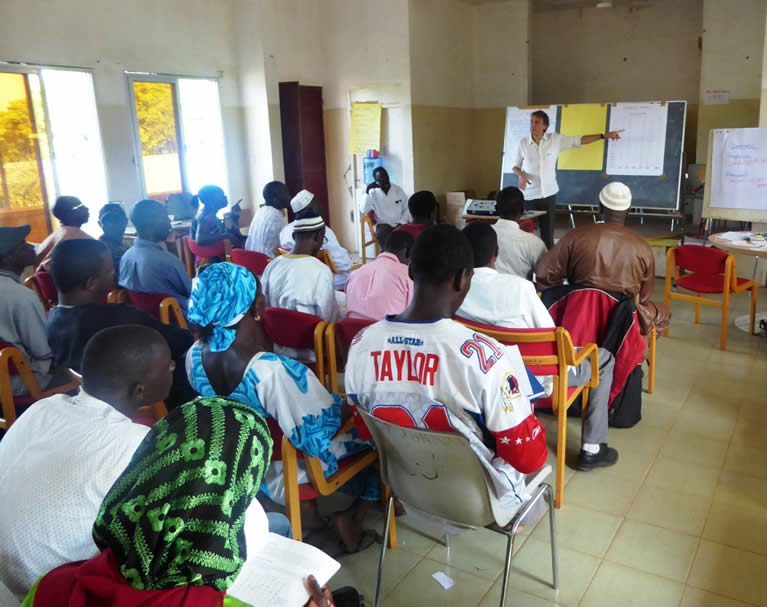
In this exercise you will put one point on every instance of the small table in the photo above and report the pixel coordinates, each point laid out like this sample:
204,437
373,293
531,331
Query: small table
494,218
744,247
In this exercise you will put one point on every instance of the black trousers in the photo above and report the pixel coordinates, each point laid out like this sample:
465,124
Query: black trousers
548,204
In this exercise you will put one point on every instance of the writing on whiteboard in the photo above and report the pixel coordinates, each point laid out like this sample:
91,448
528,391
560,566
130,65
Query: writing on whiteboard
739,169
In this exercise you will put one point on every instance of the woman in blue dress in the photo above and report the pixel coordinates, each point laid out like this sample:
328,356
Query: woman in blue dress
234,357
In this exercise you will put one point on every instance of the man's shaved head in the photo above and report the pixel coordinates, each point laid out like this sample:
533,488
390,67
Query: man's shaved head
128,366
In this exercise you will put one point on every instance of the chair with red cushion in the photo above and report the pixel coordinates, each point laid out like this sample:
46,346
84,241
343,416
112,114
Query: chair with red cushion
707,270
193,255
338,340
297,330
42,284
253,260
13,363
550,352
159,305
368,221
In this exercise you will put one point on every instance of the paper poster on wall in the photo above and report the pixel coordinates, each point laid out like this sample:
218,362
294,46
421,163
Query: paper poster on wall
518,127
365,131
583,120
738,173
642,146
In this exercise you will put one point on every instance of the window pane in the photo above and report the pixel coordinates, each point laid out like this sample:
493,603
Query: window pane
21,188
76,139
204,152
159,140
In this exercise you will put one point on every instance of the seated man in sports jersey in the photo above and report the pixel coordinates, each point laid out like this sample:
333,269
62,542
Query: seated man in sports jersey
508,301
445,377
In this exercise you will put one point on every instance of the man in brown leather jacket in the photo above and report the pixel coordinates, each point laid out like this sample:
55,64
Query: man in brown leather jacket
608,256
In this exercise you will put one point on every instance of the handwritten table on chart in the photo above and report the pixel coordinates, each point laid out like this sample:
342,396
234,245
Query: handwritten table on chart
642,145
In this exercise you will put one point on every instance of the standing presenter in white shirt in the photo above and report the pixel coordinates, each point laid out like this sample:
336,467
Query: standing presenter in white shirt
536,162
388,203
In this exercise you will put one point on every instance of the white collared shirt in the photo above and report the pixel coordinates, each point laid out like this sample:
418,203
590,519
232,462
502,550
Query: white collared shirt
518,251
539,161
57,463
340,256
504,300
264,231
390,208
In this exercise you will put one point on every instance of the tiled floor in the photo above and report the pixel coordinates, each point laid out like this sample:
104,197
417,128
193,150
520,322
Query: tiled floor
681,520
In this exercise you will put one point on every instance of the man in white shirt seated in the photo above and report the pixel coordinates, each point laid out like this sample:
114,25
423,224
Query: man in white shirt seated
298,280
388,203
59,459
264,231
511,302
305,202
519,251
422,369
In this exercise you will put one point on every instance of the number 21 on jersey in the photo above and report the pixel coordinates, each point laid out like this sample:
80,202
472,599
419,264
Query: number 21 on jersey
486,351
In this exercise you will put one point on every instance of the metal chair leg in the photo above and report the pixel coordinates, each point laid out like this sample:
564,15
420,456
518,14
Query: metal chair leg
379,582
553,534
507,568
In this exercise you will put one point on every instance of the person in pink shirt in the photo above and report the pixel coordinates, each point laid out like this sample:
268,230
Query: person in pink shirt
383,286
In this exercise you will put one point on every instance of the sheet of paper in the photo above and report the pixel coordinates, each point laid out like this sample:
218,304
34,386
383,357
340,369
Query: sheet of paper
583,120
738,173
444,580
642,146
275,572
517,127
365,130
734,236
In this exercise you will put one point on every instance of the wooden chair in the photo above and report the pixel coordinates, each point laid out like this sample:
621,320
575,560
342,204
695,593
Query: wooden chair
550,352
653,337
14,363
708,270
163,307
338,339
42,284
191,250
368,221
254,261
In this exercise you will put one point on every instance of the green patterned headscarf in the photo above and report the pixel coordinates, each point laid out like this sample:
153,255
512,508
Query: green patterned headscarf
175,516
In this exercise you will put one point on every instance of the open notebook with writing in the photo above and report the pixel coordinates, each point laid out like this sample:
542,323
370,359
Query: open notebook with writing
276,568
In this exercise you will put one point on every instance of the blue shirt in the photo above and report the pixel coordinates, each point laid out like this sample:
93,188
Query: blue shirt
148,268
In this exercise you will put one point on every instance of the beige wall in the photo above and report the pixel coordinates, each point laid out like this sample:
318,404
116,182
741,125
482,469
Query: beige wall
733,43
184,37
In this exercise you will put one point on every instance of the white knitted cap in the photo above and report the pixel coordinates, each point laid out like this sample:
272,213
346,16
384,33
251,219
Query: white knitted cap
616,196
301,200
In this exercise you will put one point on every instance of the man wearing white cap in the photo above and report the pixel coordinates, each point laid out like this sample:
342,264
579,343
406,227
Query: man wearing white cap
298,280
609,256
389,204
305,202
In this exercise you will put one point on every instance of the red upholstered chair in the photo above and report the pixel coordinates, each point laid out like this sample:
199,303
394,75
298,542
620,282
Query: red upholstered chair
708,270
338,339
293,329
161,306
42,284
550,352
254,261
13,363
194,255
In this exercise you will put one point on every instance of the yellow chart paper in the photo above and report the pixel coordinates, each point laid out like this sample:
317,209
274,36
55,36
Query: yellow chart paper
365,132
583,120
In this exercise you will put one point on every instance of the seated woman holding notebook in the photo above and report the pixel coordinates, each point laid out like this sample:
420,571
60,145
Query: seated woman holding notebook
171,530
234,358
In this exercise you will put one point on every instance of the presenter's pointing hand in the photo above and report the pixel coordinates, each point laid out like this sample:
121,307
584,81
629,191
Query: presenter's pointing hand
524,181
613,134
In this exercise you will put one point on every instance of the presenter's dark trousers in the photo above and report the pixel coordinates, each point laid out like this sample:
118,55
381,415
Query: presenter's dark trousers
547,221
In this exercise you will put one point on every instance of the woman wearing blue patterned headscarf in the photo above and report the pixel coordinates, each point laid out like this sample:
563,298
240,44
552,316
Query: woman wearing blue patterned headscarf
234,358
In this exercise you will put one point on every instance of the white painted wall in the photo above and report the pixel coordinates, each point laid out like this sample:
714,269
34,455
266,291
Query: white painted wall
442,53
733,42
616,54
185,37
501,54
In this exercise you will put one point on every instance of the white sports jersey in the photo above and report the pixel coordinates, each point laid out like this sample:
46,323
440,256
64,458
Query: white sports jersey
442,376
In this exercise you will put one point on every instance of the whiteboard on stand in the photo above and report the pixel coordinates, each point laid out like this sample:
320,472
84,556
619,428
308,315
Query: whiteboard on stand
736,180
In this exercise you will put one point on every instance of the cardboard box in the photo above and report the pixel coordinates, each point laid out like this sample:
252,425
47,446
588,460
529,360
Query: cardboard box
455,201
